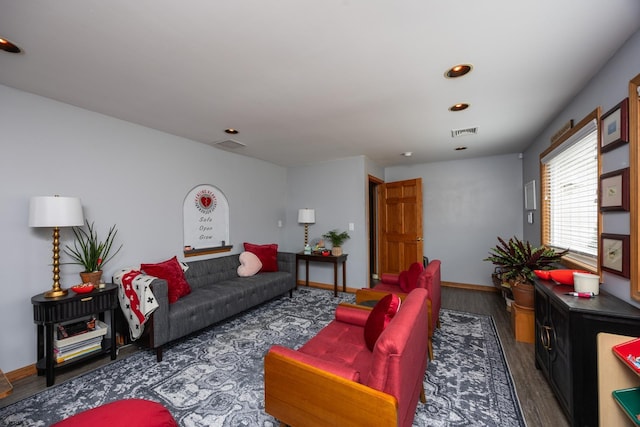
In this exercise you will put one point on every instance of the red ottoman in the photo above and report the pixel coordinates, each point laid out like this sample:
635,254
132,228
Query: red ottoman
122,413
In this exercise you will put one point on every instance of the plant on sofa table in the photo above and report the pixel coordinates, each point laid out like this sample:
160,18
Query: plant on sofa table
517,260
89,251
337,239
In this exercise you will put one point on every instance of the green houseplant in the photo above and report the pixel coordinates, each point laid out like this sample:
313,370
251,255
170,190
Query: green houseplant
91,252
337,239
516,261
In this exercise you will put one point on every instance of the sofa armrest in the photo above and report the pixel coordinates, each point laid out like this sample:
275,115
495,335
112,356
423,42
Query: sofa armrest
369,294
287,262
160,329
297,393
390,278
352,314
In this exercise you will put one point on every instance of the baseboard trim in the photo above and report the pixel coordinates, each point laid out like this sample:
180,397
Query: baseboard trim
318,285
470,287
21,373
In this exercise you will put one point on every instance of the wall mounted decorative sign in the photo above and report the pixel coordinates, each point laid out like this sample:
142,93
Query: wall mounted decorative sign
614,254
206,221
615,126
614,190
530,195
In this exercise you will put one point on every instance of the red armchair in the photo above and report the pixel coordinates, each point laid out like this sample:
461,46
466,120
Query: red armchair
401,284
335,380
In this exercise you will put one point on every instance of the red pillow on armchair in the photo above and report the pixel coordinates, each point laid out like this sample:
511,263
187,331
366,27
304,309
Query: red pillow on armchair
408,280
379,318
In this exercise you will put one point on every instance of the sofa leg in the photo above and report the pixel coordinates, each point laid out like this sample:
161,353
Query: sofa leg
430,347
159,354
438,324
423,398
291,293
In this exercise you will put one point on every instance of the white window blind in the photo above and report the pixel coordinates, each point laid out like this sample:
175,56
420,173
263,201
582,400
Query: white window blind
571,193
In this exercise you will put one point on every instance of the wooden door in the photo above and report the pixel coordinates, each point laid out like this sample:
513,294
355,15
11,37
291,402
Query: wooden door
400,224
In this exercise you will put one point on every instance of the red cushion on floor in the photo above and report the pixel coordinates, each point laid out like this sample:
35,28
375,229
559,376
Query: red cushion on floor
122,413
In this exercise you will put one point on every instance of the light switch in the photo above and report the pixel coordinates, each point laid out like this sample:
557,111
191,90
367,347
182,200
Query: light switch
352,226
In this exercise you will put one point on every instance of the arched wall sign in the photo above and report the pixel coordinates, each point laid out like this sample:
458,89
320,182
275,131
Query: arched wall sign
206,221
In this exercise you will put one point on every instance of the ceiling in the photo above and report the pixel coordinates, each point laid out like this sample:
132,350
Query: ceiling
307,81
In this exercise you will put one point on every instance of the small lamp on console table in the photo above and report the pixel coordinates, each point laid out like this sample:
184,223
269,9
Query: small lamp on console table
306,217
56,212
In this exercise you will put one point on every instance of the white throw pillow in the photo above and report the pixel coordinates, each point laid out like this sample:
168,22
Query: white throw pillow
249,264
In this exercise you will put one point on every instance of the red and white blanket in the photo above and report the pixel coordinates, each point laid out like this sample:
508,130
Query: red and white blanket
136,299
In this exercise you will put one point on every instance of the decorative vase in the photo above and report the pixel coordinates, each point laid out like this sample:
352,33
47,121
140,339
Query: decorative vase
522,294
336,251
91,277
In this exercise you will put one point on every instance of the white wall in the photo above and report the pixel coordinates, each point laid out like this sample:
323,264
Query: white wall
607,88
466,205
125,174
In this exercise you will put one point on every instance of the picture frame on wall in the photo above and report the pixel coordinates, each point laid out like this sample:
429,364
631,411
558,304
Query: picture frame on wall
615,126
614,191
614,254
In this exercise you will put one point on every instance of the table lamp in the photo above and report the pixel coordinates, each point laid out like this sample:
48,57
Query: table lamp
306,217
56,212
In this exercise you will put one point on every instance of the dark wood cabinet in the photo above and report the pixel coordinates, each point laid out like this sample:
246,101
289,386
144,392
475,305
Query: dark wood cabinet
566,344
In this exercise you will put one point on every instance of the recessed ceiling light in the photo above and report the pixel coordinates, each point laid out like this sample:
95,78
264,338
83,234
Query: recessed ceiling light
407,153
7,46
231,131
458,71
459,107
460,148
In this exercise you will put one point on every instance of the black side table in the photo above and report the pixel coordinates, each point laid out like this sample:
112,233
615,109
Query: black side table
335,260
49,311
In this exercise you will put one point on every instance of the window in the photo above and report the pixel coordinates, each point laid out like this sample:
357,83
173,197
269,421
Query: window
569,175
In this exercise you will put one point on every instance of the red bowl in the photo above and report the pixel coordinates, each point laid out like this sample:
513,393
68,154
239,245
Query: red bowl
543,274
564,277
83,289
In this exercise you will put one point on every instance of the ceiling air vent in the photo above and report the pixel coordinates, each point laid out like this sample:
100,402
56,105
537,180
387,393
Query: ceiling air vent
230,144
462,132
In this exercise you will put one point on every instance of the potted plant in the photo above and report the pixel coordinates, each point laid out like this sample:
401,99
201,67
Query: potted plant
90,252
516,261
337,239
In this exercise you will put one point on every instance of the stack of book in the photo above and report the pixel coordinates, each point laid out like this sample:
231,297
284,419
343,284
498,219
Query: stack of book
78,339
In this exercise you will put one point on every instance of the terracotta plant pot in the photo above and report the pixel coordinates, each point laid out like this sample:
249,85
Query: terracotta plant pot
91,277
523,294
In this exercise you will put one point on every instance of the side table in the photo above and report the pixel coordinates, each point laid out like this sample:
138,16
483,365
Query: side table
49,311
335,260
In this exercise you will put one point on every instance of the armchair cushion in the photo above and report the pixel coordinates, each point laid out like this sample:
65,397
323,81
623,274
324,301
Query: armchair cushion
379,318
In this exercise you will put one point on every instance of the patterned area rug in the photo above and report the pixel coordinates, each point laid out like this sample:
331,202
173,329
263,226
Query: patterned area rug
215,378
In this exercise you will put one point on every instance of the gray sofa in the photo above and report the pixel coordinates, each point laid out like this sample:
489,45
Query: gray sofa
217,293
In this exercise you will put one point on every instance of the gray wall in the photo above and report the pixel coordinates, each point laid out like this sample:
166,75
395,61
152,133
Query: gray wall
337,192
466,205
607,88
125,174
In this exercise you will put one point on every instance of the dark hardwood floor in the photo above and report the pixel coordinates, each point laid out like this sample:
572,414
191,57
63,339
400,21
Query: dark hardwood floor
538,402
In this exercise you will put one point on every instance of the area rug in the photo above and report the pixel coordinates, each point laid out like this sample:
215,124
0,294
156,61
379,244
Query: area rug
215,377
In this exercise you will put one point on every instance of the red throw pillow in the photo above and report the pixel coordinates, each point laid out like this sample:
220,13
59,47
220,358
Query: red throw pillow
379,318
411,278
171,271
267,254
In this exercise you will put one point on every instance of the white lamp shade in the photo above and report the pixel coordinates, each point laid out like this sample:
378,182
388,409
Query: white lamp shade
306,216
55,211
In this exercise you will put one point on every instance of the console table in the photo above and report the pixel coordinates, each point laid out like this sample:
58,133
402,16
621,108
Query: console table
47,312
335,260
